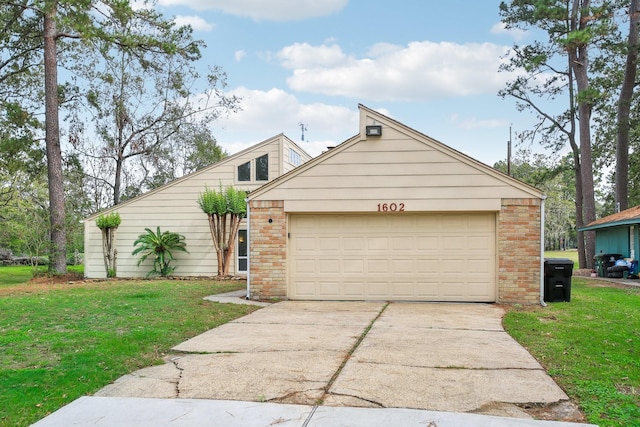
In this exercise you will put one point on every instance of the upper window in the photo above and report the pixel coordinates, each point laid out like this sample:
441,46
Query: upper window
262,168
294,157
244,172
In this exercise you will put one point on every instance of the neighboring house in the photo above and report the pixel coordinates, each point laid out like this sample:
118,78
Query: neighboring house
174,207
392,214
617,233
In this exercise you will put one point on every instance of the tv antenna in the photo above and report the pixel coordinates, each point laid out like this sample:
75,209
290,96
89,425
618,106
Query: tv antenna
303,128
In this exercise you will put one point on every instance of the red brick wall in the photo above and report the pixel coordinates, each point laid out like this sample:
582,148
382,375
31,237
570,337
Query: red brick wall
268,250
519,251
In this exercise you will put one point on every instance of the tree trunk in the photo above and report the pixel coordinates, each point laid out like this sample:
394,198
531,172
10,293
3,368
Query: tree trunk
117,181
58,255
582,257
624,109
231,242
109,251
214,228
579,62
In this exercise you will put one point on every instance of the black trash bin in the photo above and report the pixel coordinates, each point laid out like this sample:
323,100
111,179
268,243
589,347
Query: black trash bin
557,279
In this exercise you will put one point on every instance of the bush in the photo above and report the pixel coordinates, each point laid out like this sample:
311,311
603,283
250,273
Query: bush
160,245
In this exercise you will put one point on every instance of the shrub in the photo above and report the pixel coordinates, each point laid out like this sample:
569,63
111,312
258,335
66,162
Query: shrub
161,246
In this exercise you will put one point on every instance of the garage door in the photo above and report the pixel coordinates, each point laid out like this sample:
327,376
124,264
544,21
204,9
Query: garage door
411,257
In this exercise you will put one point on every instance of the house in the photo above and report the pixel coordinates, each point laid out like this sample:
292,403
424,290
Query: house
174,207
392,214
617,233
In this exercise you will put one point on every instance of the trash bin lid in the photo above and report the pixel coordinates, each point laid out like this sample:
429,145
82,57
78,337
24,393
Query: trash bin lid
558,261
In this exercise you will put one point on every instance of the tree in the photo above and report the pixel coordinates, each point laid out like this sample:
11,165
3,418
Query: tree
556,181
202,149
108,225
57,251
556,70
225,210
40,33
624,107
139,102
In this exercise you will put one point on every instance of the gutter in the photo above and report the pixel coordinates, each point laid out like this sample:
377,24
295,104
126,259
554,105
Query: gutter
542,303
248,296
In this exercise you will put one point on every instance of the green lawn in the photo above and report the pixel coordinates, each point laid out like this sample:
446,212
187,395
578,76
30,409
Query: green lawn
571,254
590,346
62,343
14,275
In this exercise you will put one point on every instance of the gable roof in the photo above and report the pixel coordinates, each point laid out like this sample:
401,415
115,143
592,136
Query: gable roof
627,217
379,118
204,170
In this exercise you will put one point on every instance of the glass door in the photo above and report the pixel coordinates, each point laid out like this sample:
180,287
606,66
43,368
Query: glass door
242,252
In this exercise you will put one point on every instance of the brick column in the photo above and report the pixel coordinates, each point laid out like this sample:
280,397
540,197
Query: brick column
519,251
268,250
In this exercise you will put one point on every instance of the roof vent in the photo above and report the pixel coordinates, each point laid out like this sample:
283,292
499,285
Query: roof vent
374,130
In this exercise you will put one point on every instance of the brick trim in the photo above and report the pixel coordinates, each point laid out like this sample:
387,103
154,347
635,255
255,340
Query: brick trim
268,250
519,251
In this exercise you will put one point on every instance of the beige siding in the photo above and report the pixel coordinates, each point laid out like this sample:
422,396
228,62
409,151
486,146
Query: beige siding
394,168
287,161
174,207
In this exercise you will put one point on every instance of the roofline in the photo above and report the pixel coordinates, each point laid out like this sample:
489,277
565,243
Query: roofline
227,159
461,156
623,222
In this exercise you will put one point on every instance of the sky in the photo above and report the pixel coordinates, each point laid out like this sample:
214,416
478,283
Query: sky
429,64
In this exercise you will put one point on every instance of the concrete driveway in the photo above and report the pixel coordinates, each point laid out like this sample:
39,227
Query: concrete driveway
437,357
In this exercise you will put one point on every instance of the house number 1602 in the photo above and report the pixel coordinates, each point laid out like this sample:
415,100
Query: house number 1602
390,207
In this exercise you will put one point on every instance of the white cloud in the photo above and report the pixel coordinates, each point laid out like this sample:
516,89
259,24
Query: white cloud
418,71
270,10
197,23
239,55
303,55
515,33
268,113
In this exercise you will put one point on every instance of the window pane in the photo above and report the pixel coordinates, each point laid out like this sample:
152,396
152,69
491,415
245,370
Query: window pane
242,243
244,172
262,168
294,157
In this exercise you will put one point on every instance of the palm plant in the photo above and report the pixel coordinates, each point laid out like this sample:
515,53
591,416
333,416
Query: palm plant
161,246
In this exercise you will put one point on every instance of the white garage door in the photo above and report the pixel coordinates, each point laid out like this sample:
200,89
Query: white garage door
411,257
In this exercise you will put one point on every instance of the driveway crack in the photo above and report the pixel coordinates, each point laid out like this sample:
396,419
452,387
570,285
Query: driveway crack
373,402
351,351
175,360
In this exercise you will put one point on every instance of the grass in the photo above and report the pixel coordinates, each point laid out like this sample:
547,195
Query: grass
63,342
571,254
591,348
14,275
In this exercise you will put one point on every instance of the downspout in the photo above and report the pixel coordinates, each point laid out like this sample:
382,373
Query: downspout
542,303
248,250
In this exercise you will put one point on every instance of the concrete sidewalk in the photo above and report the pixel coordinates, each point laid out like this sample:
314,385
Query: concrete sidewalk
140,412
448,364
